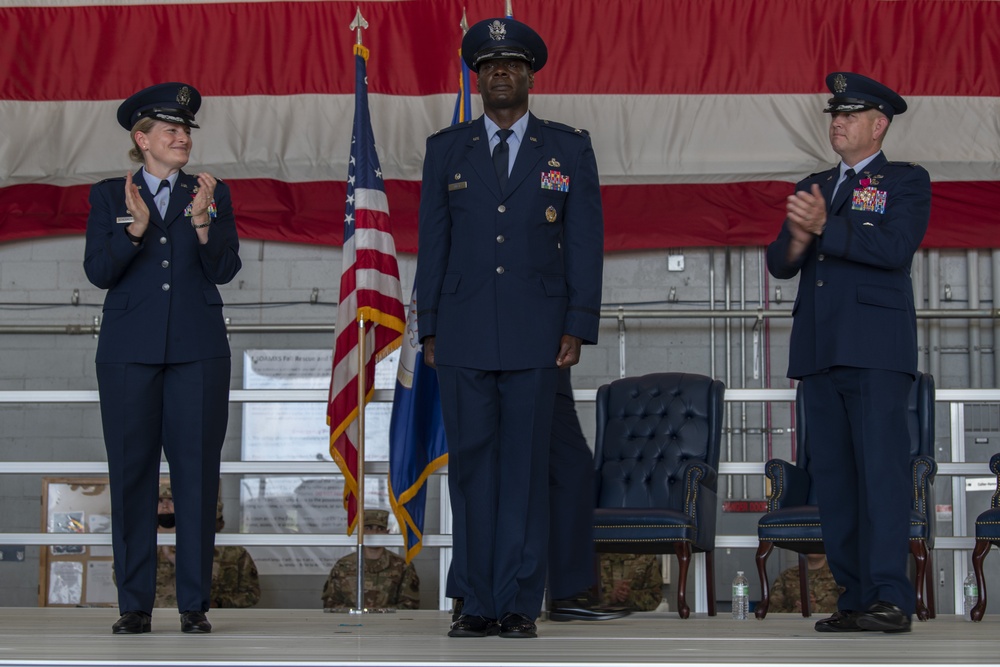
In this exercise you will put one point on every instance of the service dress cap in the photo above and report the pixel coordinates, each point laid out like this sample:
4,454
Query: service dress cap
170,102
855,92
377,518
491,39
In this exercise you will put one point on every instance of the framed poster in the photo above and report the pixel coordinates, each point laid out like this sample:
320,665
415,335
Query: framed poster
74,575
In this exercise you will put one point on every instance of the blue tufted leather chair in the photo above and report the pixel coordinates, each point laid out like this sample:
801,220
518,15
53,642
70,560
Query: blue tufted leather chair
987,534
657,454
792,520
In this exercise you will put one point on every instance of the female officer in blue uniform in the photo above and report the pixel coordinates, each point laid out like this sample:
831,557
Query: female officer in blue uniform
160,240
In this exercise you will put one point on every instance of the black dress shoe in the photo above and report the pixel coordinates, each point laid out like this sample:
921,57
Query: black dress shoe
473,626
517,626
841,621
132,623
886,617
582,607
195,622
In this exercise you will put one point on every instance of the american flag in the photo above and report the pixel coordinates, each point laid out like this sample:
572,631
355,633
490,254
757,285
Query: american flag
700,152
369,289
417,443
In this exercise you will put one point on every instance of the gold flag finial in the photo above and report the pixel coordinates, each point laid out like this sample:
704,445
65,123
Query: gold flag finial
359,23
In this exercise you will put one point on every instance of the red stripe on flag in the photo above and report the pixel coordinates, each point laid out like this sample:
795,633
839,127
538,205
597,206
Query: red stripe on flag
626,47
636,216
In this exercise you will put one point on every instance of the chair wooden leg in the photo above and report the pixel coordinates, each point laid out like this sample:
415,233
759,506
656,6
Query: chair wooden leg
978,556
804,586
919,550
710,583
763,551
683,550
930,585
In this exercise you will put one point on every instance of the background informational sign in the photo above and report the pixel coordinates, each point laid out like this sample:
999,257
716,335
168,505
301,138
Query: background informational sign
74,574
302,505
299,432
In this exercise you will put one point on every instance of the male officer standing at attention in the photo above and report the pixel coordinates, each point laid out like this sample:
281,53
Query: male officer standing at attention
509,279
851,232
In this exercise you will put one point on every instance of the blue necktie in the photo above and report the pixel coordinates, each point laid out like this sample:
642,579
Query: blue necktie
837,200
161,198
501,157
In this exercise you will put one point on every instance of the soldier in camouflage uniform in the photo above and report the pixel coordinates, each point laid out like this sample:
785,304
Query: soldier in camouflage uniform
234,575
823,590
390,583
633,580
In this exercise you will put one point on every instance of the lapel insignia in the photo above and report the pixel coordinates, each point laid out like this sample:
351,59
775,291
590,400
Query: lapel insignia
550,214
554,180
458,176
554,163
533,139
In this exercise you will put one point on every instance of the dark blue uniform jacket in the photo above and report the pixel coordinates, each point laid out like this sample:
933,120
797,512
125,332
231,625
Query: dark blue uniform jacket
855,300
501,276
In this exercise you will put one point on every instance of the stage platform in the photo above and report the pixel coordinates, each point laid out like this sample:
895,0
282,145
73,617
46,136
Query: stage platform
272,638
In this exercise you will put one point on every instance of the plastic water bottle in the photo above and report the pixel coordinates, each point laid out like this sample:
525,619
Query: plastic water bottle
741,597
971,590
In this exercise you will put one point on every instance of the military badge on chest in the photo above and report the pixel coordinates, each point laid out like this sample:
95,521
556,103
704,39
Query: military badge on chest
555,180
868,197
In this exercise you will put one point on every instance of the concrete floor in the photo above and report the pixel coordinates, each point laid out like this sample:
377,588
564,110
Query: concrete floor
268,637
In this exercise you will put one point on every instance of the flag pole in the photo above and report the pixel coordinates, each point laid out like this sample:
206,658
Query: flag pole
360,498
358,24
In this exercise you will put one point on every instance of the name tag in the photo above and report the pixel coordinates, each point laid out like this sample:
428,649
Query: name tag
125,220
458,186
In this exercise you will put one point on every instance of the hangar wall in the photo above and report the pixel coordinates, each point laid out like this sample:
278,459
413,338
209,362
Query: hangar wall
39,280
